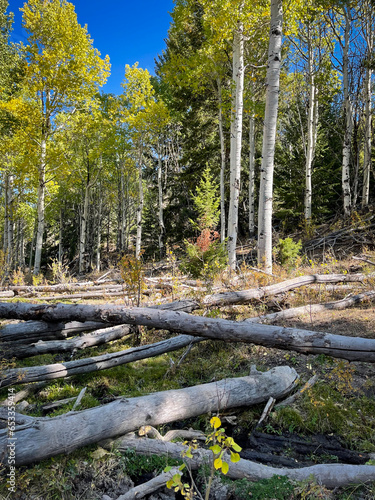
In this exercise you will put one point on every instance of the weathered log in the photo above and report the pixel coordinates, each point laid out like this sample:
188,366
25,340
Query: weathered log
84,295
6,293
151,486
57,404
241,297
316,308
305,341
39,438
25,375
330,475
29,332
95,338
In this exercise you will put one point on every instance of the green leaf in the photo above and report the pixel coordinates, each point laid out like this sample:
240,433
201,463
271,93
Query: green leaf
215,449
168,468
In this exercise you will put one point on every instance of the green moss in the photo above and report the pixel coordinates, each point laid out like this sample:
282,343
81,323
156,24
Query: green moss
278,488
323,409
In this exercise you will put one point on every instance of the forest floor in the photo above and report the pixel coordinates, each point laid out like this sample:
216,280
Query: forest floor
337,413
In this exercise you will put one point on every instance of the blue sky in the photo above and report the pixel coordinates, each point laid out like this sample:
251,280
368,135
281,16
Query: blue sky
127,30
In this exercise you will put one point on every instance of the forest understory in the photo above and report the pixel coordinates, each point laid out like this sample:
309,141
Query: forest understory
330,421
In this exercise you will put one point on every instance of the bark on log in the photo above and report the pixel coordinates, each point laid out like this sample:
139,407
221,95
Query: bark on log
16,376
95,338
83,295
315,308
330,475
151,486
304,341
29,332
40,438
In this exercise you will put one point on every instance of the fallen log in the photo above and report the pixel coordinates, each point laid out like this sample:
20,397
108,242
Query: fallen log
14,376
150,486
330,475
244,296
316,308
304,341
29,332
14,350
39,438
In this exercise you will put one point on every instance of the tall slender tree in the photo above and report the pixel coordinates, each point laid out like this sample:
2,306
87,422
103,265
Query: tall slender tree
63,70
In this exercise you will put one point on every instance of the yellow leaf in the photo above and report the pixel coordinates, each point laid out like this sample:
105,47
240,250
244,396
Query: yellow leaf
225,468
215,422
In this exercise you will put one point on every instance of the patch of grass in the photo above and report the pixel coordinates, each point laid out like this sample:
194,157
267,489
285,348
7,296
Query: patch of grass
137,465
324,409
278,488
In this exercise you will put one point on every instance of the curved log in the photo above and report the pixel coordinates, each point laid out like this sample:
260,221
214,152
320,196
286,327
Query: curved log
304,341
40,438
316,308
29,332
95,338
330,475
16,376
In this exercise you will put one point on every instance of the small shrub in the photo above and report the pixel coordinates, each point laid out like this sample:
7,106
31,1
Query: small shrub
132,272
17,277
205,258
287,251
60,272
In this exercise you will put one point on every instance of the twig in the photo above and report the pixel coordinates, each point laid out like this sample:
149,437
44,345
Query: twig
79,399
364,260
267,410
291,399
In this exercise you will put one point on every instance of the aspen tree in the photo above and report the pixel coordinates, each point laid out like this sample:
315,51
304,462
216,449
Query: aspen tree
62,71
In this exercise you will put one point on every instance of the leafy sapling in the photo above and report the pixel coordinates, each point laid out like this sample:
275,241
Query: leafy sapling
220,445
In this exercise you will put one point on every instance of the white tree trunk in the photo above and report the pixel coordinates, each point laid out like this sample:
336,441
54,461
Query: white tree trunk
367,139
236,142
138,241
9,219
368,34
311,136
269,138
348,117
84,218
99,232
160,196
222,164
40,207
60,254
251,176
